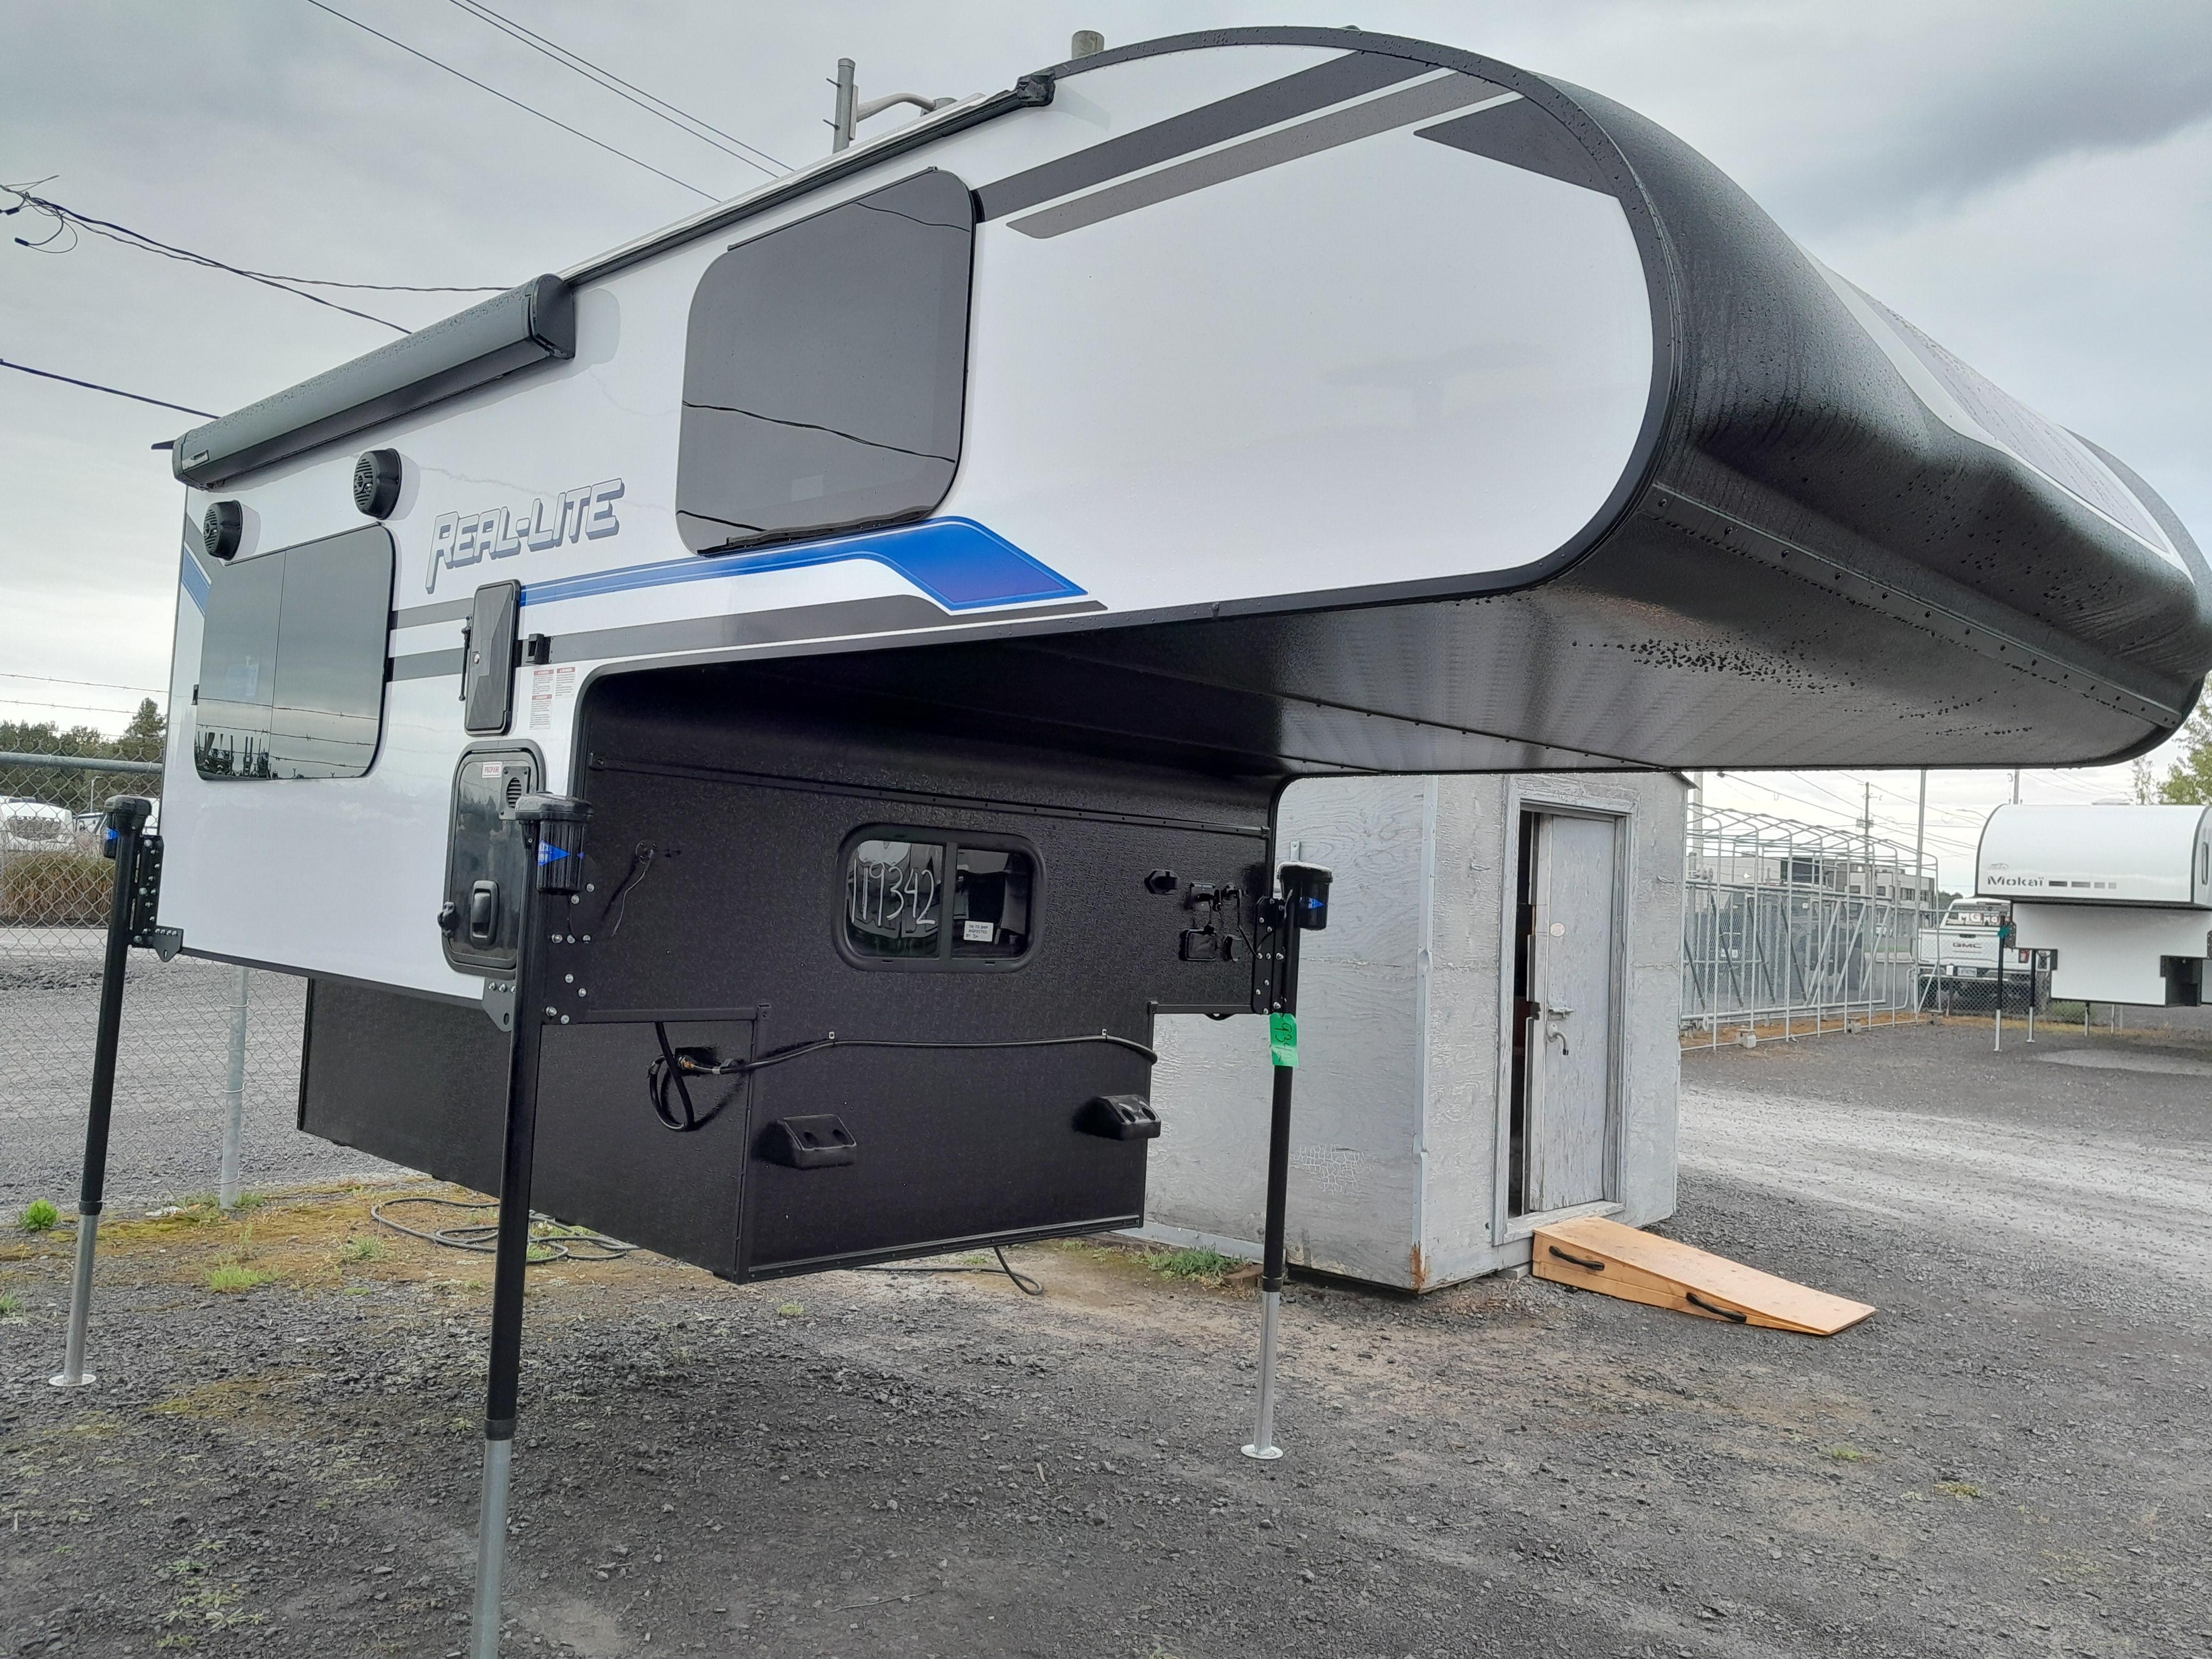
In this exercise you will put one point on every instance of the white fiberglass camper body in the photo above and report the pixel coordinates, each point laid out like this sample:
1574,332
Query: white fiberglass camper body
1263,403
2122,894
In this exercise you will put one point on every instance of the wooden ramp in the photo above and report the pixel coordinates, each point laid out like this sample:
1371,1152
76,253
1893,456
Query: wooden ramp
1593,1254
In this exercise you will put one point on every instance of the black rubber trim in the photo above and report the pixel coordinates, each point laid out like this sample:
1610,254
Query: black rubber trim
524,326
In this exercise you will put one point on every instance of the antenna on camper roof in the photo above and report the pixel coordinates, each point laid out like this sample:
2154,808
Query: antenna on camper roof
850,111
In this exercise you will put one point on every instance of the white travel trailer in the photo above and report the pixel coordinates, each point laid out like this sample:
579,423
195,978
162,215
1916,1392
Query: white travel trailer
2122,895
927,572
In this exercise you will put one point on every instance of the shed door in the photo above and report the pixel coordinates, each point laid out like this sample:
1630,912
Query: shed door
1569,1032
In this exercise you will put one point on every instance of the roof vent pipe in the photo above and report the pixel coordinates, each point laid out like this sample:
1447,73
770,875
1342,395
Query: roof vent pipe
850,111
1086,42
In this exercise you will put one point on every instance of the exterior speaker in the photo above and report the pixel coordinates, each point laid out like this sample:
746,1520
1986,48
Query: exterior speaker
376,483
221,529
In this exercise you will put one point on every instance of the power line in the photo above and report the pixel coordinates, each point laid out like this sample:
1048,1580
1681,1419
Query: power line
70,218
74,707
682,120
152,245
528,110
100,685
112,391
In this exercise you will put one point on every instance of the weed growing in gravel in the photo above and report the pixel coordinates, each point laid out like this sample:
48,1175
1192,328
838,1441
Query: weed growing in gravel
11,1307
1206,1266
1846,1452
1965,1491
362,1249
792,1310
235,1276
39,1217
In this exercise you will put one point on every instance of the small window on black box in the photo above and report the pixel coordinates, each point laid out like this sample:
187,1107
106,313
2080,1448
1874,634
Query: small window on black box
292,660
825,368
926,898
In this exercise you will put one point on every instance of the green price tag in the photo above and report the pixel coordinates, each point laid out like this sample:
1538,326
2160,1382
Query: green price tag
1283,1038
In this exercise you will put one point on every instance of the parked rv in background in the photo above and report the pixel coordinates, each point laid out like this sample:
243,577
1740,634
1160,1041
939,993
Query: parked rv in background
2120,896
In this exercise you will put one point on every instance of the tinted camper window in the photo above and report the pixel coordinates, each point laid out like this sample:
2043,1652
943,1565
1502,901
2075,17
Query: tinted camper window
937,898
825,369
292,660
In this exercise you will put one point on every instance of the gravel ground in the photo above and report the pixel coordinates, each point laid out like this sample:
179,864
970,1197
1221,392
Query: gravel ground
173,1073
2009,1459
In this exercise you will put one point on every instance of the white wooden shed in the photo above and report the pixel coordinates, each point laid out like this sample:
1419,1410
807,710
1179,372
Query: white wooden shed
1488,1033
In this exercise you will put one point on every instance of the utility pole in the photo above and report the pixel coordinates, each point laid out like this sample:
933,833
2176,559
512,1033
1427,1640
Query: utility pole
1920,884
2015,785
1866,895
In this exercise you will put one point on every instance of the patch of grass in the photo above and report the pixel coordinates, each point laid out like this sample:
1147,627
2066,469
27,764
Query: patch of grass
1203,1267
1846,1452
362,1249
11,1307
791,1309
236,1276
1965,1491
39,1217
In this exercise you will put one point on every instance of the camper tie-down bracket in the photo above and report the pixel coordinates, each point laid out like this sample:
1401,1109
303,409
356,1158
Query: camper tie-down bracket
144,919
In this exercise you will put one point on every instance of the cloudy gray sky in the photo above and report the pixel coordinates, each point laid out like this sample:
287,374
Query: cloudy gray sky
2030,182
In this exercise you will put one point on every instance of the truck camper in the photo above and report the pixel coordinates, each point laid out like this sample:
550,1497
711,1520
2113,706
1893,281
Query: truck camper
754,728
2121,895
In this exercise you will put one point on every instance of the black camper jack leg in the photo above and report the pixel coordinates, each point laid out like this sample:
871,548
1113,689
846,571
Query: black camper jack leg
126,827
1302,906
552,829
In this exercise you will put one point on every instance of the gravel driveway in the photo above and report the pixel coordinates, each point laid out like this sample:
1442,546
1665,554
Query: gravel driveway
2009,1459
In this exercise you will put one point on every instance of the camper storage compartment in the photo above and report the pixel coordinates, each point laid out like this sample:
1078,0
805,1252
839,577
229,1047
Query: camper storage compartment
834,999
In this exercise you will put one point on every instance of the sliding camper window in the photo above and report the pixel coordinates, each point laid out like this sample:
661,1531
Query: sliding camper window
938,898
292,660
825,369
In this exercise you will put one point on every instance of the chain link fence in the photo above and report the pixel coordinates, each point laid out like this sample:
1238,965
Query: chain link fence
1794,930
207,1074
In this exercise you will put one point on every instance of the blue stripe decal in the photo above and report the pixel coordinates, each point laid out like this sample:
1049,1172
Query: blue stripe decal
956,561
196,583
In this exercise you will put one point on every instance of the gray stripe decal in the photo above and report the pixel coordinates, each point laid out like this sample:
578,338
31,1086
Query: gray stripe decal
427,664
897,613
1378,115
443,610
1352,76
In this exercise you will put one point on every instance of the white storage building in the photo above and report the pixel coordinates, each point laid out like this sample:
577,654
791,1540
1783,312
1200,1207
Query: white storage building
1488,1031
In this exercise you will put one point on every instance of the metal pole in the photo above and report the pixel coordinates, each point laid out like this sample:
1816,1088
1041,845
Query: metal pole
1303,907
126,823
1998,1046
233,1122
1920,891
552,829
842,128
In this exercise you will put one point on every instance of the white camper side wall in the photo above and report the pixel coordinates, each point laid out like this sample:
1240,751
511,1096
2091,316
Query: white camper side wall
2110,952
2108,855
1207,399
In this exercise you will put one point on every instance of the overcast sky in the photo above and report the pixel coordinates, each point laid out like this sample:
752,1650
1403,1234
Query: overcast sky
2030,182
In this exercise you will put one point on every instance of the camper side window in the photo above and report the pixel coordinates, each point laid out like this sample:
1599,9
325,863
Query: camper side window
923,898
292,660
825,371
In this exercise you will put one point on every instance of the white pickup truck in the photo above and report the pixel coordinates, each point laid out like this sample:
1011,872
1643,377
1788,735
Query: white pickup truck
1958,958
